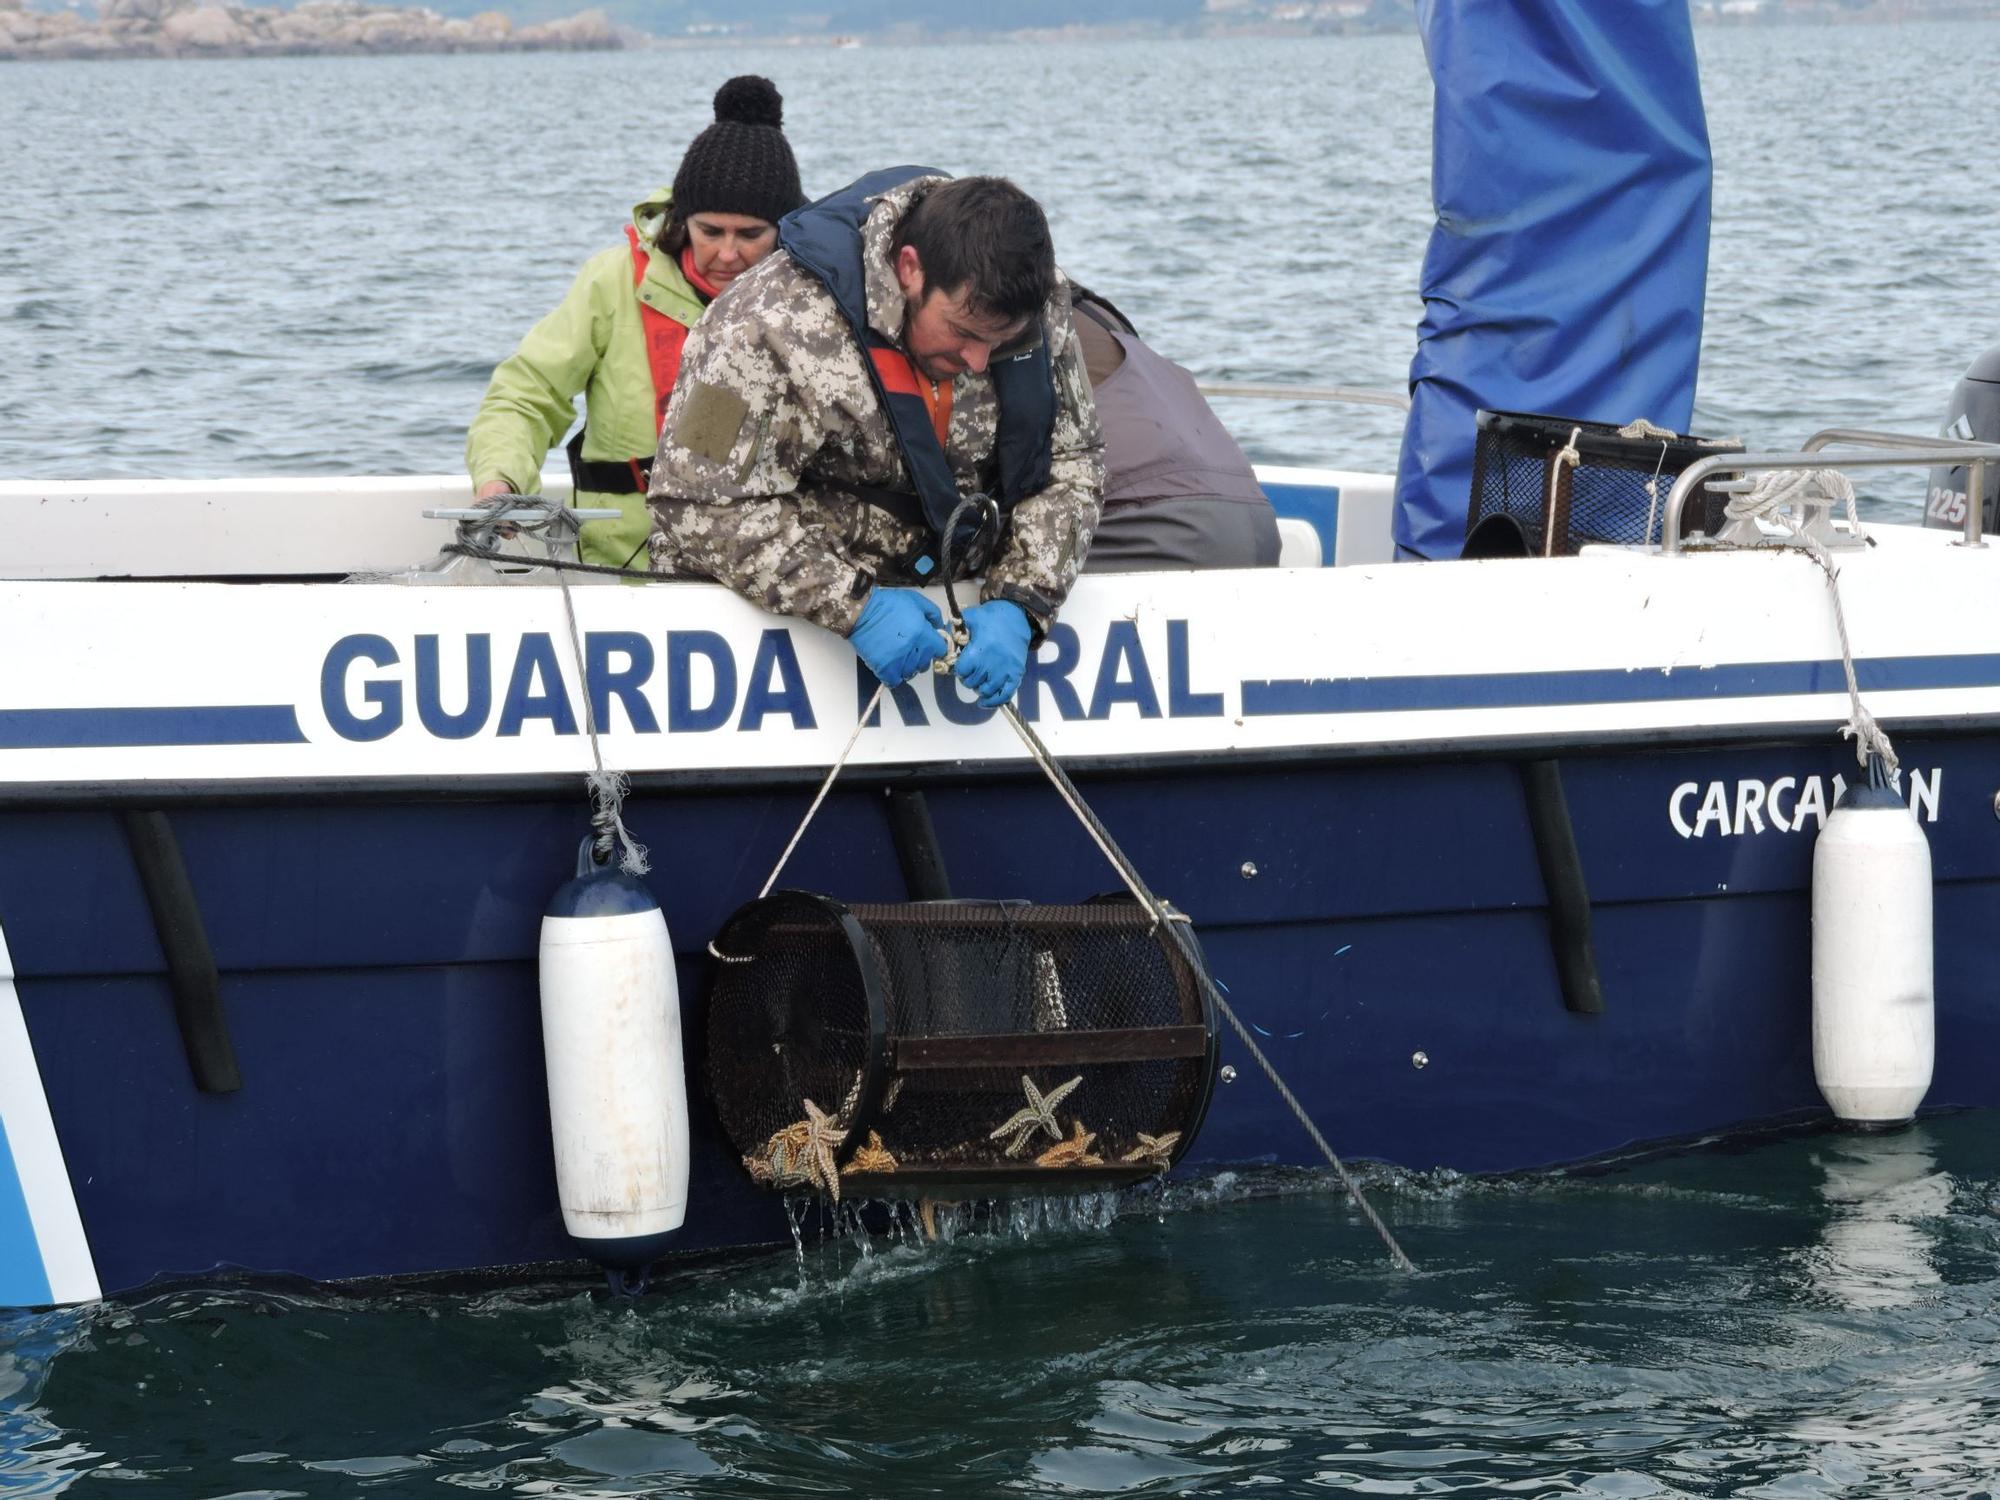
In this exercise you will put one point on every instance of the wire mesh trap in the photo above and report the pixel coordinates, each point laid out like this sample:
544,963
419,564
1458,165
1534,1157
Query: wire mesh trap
969,1047
1613,489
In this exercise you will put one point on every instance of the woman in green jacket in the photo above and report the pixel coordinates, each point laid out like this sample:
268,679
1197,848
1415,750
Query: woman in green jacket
617,335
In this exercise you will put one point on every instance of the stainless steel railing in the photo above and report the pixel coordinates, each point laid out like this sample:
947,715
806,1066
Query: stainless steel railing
1354,395
1898,451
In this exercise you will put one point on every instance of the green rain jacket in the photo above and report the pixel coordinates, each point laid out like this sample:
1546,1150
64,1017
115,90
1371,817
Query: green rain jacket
591,343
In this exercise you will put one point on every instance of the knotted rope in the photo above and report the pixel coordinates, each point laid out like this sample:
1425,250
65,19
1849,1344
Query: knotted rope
557,528
1639,429
1787,498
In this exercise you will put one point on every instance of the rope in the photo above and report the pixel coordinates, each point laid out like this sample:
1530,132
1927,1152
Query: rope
556,526
1162,913
1566,455
1653,497
1785,498
606,788
558,564
800,832
1639,429
954,639
1175,923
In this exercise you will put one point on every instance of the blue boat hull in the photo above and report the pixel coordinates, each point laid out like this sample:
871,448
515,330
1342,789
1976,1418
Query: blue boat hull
378,979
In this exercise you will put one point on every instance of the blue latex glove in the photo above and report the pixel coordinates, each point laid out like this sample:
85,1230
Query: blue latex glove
899,634
992,661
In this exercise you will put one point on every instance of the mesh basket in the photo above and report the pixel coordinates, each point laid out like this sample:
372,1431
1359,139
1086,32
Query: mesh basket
980,1047
1602,498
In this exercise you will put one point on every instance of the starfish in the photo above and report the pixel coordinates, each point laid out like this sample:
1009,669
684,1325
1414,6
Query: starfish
1154,1150
1040,1114
1074,1152
781,1165
801,1153
873,1157
822,1140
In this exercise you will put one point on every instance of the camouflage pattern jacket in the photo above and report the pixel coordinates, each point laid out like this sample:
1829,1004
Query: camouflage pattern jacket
775,425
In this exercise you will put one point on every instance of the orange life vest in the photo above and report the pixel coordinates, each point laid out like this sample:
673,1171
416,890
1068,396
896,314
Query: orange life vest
665,337
899,374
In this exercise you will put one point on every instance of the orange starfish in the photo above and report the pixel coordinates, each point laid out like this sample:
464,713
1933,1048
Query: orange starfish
1074,1152
873,1157
801,1153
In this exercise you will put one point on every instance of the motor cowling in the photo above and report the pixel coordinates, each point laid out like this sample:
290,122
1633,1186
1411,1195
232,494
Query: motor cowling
1973,416
1873,1029
611,1038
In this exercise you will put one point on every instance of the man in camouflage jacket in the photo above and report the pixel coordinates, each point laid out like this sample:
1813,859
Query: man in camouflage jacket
776,446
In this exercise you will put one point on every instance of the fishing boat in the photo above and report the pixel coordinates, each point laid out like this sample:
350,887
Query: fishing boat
1502,861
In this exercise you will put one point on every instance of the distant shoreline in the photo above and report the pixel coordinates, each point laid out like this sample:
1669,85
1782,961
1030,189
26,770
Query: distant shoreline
127,29
175,29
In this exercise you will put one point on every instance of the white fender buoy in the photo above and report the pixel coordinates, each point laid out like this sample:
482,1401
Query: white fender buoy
611,1035
1873,1029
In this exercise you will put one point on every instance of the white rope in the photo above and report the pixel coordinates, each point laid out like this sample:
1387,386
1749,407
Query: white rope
1787,498
557,527
1566,455
1638,429
607,788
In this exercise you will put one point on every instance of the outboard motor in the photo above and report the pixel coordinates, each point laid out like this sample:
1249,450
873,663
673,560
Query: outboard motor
1974,416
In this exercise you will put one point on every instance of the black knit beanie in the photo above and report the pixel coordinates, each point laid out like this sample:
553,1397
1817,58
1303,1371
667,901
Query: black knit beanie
742,164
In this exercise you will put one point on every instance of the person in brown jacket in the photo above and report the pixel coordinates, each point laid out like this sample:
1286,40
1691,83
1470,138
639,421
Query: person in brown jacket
1178,492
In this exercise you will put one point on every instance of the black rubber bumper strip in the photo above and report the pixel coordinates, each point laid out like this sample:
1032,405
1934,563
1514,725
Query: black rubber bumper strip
191,972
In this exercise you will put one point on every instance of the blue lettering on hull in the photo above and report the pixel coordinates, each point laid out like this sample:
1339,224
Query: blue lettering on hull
1123,677
362,686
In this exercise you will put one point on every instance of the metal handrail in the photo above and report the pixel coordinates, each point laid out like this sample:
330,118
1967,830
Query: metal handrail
1353,394
1861,437
1975,486
1916,453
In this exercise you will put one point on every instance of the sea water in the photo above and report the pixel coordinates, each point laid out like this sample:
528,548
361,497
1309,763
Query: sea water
1799,1315
310,265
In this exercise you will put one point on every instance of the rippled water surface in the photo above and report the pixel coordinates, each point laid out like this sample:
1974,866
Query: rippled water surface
1792,1317
311,264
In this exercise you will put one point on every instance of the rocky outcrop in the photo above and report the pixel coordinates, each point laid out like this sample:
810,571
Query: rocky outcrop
202,28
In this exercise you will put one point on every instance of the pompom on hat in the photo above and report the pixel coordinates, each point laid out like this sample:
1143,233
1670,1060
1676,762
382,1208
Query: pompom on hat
742,164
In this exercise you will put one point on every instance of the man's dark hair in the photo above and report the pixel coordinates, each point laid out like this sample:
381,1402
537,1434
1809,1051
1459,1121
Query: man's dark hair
987,238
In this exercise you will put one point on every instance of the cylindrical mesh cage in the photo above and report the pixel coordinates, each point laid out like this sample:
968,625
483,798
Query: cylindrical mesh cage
978,1047
1604,497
